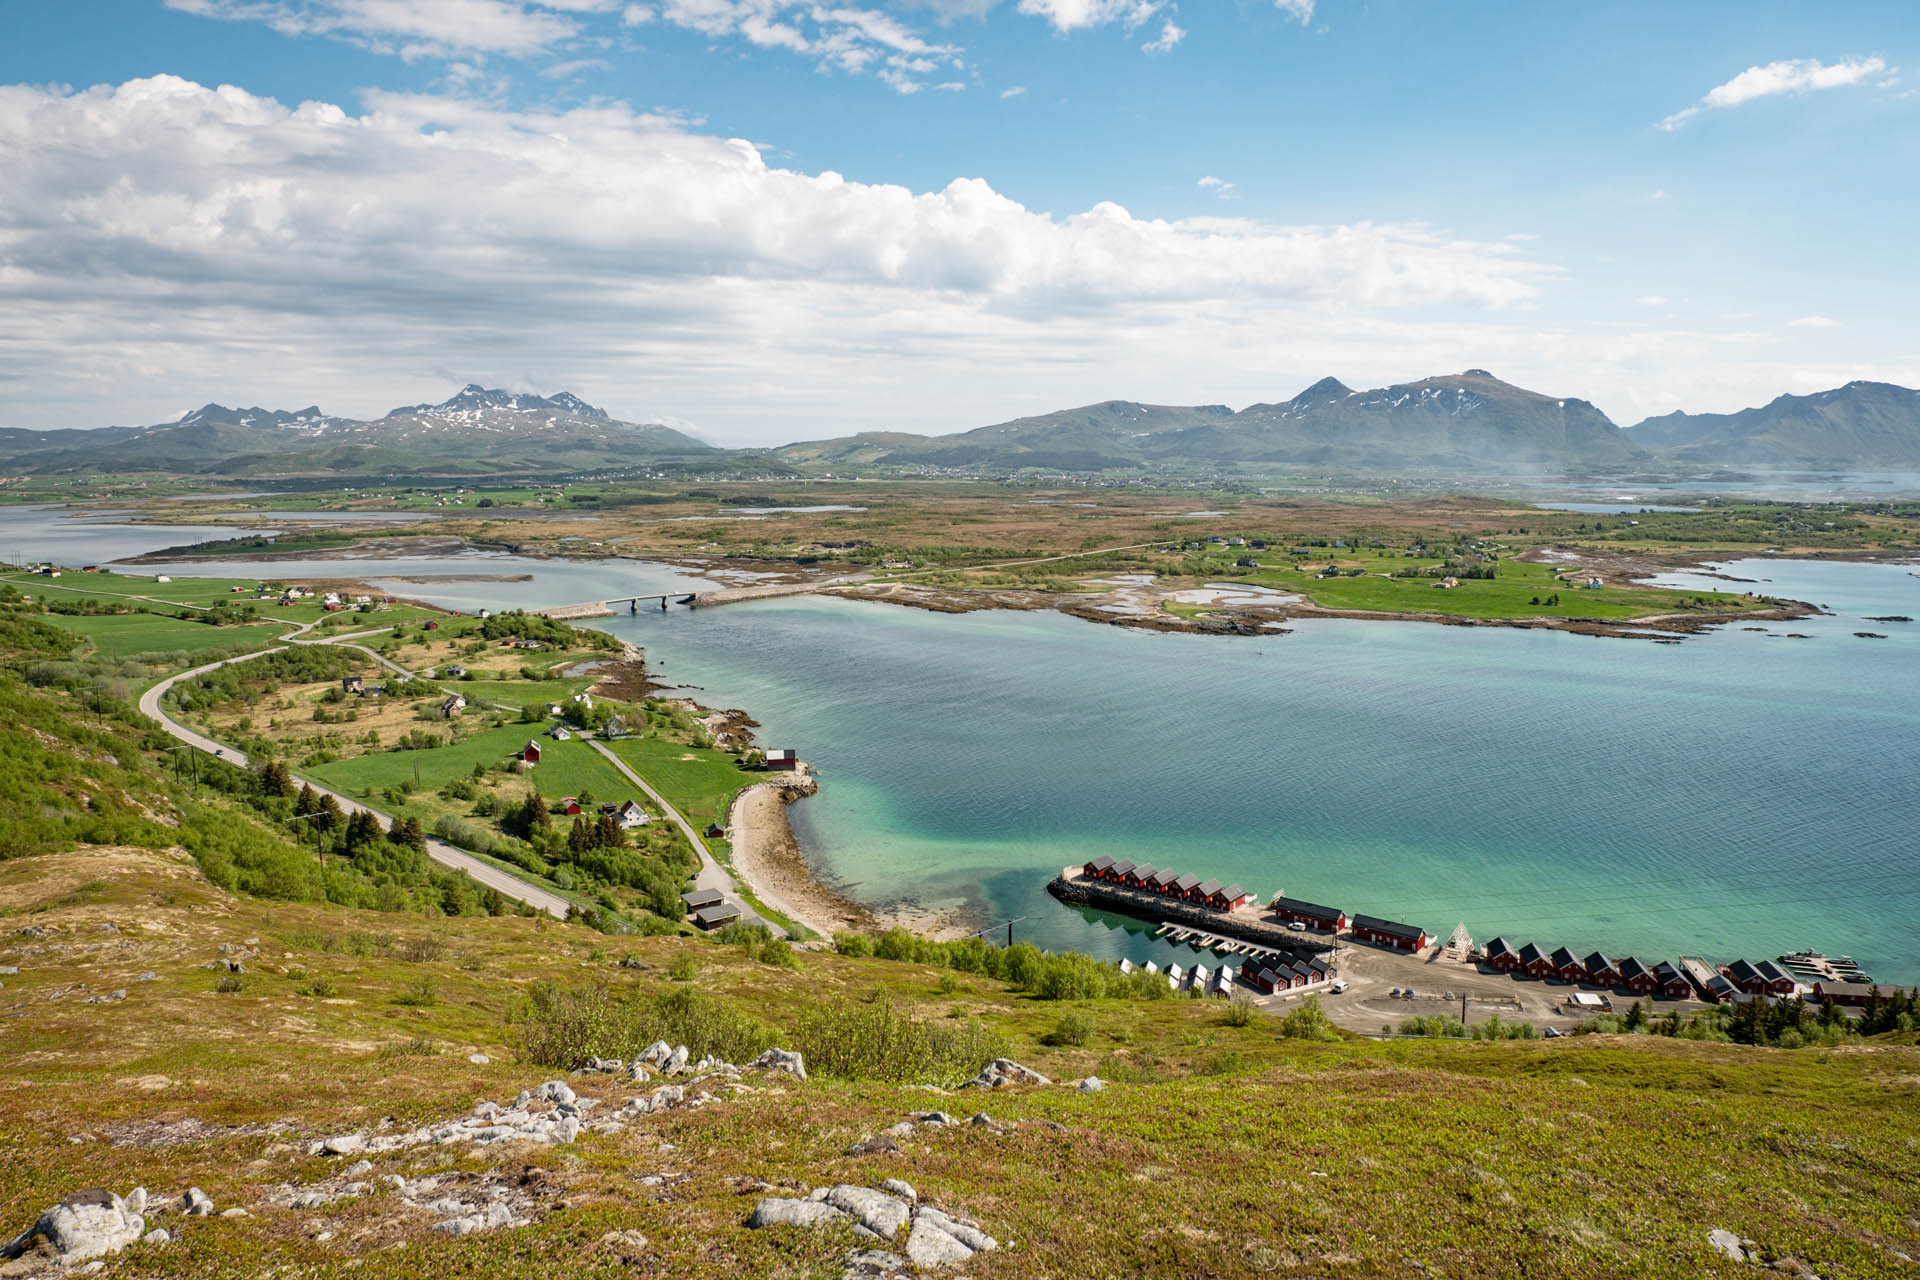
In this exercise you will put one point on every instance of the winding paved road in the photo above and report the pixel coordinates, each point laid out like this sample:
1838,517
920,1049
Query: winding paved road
509,886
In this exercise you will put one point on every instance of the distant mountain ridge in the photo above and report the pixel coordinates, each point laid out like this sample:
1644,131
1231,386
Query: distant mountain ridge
1863,425
1466,424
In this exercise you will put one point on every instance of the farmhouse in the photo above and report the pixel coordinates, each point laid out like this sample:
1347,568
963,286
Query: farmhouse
453,706
560,733
1501,956
631,815
1391,933
1312,915
353,684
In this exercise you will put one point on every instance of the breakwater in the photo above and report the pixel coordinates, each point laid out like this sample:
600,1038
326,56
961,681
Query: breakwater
1260,927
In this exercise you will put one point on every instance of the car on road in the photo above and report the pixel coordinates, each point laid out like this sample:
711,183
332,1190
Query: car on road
1338,987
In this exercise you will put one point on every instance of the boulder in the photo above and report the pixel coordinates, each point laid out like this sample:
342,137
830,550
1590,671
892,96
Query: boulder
896,1187
1728,1243
936,1117
87,1224
776,1212
196,1203
557,1091
1092,1084
782,1060
159,1235
873,1264
966,1233
676,1061
344,1144
656,1053
879,1145
929,1246
877,1211
479,1059
1002,1072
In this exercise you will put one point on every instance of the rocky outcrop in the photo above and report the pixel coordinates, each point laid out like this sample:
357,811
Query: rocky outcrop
1002,1072
85,1225
932,1239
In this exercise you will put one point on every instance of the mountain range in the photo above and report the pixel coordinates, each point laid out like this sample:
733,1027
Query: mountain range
1467,424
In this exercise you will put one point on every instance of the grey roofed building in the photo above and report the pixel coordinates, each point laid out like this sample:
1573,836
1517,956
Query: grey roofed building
700,899
714,917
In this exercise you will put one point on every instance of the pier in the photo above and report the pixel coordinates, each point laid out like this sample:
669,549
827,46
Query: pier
1264,932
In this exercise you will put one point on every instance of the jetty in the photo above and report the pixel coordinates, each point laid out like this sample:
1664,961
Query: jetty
693,599
1247,929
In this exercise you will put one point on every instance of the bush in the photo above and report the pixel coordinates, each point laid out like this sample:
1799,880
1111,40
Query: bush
878,1040
683,968
1240,1012
1308,1022
1074,1028
322,988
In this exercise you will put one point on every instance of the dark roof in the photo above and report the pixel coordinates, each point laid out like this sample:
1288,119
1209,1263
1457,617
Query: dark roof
1719,985
1530,953
1391,927
1319,966
1186,882
1499,947
1295,907
1101,863
1599,960
1741,971
1632,968
1207,888
711,916
1772,972
1667,971
1563,957
700,898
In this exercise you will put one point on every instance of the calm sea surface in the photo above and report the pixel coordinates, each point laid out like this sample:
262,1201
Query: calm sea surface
1741,793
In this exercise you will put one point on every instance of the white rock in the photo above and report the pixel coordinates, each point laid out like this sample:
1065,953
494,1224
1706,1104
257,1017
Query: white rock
558,1091
344,1144
87,1224
357,1169
235,1212
875,1210
676,1061
478,1059
896,1187
786,1060
159,1235
1728,1243
196,1203
137,1200
774,1212
1092,1084
965,1232
929,1246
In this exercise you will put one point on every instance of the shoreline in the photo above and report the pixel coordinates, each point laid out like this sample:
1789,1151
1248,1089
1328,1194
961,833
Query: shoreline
768,860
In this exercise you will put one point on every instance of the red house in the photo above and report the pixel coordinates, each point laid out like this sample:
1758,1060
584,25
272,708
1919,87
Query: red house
570,806
1140,875
1183,887
1567,966
1258,977
1670,982
1763,979
1231,898
1501,956
781,758
1119,871
1203,892
1391,933
530,753
1311,914
1534,962
1601,970
1636,977
1163,880
1097,868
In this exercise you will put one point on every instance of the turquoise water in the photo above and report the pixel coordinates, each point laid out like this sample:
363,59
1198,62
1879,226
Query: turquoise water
1738,794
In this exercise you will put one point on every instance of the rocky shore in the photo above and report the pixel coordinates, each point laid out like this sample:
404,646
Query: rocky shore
768,859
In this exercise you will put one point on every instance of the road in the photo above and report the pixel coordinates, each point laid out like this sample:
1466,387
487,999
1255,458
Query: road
712,875
509,886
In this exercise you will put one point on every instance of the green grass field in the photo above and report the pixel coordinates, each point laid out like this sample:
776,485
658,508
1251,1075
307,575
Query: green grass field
1519,591
117,637
699,781
565,768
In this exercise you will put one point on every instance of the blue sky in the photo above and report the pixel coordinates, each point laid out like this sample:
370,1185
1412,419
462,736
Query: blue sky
1041,203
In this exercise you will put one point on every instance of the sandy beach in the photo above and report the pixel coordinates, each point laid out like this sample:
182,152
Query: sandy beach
767,857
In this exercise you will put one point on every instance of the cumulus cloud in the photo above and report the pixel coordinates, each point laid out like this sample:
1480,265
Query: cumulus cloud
1219,186
1074,15
1793,75
1170,35
167,236
843,38
1815,322
1300,10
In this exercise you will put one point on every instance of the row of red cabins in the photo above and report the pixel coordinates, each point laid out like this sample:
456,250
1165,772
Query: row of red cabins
1596,970
1168,883
1273,974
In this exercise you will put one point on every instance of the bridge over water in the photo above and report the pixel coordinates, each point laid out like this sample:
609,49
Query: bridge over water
693,599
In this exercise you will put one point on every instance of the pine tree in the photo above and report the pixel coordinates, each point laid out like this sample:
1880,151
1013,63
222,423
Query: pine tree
275,780
363,831
327,813
307,802
409,832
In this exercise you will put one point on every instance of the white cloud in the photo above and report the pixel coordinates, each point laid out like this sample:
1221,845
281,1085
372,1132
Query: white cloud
1170,35
843,38
165,241
410,28
1219,186
1654,197
1792,75
1815,322
1013,91
1651,300
573,67
1074,15
637,15
1300,10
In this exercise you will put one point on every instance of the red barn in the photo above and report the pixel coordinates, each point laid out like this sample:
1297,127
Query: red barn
1502,956
570,806
1567,966
1311,914
530,753
1391,933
